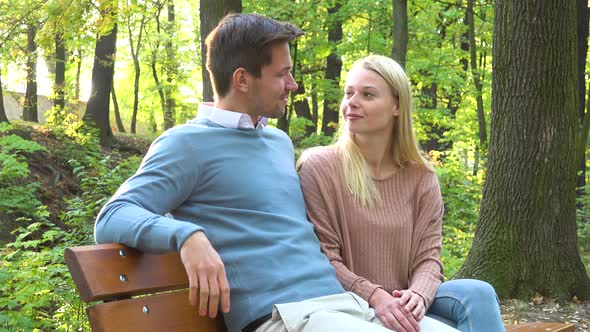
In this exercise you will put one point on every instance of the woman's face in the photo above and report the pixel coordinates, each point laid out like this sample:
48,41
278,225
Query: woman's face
368,106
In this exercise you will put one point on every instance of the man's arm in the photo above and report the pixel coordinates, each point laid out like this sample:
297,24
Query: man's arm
134,217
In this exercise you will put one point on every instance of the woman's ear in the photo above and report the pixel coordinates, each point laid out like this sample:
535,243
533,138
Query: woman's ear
396,109
240,79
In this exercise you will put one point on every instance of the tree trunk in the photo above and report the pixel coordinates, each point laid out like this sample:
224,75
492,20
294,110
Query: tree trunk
30,106
582,27
97,109
60,71
135,55
481,119
120,126
211,11
525,241
333,68
171,68
302,109
400,32
3,117
78,74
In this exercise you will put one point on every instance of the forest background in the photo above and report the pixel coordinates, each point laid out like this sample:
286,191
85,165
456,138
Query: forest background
117,73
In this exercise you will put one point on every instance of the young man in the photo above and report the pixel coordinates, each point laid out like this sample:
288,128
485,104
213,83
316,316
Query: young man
229,181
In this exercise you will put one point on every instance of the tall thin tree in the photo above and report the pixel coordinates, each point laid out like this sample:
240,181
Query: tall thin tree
3,117
60,71
211,11
400,32
135,51
97,109
30,106
332,74
170,68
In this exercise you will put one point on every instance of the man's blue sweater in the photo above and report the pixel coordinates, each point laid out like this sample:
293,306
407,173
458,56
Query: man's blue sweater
240,187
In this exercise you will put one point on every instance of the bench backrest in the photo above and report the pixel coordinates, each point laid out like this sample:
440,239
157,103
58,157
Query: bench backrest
141,291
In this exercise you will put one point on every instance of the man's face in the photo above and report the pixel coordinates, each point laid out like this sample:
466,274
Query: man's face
270,91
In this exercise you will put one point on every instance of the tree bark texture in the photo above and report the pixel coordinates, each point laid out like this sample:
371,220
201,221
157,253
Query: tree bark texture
333,69
584,124
60,71
30,106
400,32
97,109
211,11
525,241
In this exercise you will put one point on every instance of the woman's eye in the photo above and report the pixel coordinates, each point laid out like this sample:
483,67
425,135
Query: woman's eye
368,94
348,93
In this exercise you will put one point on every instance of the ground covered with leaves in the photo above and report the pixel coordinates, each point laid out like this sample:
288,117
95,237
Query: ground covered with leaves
539,309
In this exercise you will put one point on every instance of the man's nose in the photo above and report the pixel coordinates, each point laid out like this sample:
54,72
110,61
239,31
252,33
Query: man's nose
291,84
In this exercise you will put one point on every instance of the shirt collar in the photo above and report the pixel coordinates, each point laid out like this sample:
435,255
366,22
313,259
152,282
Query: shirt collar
228,119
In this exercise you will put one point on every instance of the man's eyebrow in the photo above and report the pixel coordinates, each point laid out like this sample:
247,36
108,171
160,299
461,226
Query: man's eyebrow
287,68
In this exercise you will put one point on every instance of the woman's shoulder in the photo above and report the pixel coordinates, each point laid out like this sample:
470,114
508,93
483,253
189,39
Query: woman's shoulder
319,157
420,173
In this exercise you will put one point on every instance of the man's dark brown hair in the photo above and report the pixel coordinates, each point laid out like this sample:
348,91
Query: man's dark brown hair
243,40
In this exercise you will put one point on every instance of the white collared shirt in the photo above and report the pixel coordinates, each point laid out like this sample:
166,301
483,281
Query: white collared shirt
228,119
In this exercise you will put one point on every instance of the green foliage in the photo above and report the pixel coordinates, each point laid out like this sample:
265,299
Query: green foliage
36,291
461,193
16,197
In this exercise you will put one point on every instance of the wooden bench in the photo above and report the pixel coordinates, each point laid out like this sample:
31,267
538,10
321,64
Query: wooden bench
147,292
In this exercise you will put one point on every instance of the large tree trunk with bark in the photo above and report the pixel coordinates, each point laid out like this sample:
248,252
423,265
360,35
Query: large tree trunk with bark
525,241
582,27
97,109
400,32
211,11
30,106
333,69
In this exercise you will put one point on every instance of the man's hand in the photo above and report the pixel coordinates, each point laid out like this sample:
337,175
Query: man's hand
413,302
206,273
392,313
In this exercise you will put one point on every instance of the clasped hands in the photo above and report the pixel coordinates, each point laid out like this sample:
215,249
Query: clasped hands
401,310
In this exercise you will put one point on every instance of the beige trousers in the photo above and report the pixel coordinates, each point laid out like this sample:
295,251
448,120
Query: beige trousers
339,313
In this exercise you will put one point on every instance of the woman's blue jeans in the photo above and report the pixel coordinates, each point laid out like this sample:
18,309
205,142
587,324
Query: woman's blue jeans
468,305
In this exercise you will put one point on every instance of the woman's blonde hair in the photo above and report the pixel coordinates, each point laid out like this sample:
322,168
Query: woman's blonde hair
405,147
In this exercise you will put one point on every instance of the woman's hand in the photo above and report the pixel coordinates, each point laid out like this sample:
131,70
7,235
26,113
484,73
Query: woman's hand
412,301
392,312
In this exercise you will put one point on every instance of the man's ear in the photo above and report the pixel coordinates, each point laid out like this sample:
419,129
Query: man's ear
241,79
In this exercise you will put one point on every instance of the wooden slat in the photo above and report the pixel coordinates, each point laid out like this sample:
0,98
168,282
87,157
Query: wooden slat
542,327
165,312
97,271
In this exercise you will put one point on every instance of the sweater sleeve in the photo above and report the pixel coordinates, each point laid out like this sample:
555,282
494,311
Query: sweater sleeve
426,274
134,216
323,212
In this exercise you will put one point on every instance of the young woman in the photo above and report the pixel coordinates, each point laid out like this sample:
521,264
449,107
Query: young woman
377,209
